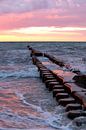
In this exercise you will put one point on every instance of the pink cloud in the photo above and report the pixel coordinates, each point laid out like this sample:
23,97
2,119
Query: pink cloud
28,13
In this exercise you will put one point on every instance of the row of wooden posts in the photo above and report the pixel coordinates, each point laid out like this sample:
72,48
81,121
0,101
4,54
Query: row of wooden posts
63,86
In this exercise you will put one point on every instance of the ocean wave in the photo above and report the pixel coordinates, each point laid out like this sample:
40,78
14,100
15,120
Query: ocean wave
15,57
28,73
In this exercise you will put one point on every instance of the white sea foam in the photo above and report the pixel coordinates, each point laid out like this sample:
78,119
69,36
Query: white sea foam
51,119
37,108
22,73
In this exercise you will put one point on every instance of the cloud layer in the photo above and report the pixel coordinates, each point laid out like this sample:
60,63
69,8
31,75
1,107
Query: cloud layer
19,6
17,14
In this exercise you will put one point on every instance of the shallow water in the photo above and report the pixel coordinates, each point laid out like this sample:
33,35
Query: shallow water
25,103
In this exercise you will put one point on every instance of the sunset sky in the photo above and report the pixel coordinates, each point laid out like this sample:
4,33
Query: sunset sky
42,20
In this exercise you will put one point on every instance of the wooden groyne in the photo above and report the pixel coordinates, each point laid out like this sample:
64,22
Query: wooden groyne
67,87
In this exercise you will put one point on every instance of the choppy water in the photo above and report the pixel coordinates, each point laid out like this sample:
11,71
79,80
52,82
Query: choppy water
24,101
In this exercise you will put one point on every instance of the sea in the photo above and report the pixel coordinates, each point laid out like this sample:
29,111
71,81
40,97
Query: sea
25,103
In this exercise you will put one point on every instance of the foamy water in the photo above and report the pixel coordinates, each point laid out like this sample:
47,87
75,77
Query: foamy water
25,103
